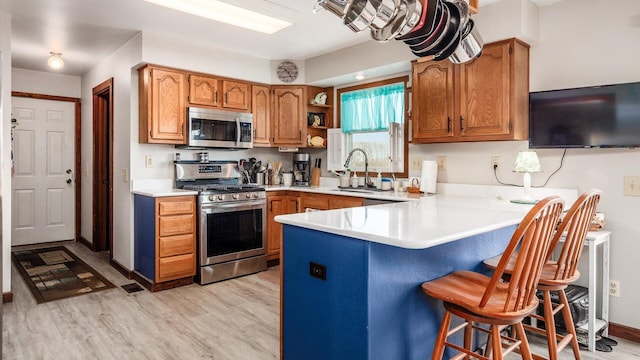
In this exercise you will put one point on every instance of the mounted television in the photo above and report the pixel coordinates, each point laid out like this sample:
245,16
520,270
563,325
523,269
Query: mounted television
598,116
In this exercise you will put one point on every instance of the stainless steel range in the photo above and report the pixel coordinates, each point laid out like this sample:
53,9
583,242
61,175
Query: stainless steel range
231,220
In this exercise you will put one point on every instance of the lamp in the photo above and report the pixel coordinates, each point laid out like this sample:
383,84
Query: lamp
55,61
526,162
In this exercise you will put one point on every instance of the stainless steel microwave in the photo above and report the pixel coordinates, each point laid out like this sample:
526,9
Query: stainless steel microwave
209,128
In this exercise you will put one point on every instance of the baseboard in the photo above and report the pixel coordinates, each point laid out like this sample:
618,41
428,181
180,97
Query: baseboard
153,287
624,332
273,262
7,297
82,240
121,269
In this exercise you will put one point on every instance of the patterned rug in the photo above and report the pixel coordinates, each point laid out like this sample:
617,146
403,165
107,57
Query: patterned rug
56,273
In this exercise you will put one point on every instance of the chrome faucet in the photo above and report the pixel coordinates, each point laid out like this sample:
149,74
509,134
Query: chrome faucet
367,181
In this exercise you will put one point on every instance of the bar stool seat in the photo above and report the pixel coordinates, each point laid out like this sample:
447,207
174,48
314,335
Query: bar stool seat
557,274
477,298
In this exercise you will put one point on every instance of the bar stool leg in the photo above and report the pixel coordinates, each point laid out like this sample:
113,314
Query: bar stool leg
468,337
525,350
550,325
438,348
496,342
568,320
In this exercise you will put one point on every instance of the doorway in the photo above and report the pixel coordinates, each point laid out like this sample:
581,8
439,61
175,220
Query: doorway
103,167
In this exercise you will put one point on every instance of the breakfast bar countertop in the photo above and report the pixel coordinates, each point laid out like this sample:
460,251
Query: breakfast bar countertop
457,211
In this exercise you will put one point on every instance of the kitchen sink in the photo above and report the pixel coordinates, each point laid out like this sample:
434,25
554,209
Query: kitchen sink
359,190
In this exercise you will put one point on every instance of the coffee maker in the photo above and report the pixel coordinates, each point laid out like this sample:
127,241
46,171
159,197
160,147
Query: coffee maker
301,169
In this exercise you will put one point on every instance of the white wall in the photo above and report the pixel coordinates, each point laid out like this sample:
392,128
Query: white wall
38,82
5,146
582,42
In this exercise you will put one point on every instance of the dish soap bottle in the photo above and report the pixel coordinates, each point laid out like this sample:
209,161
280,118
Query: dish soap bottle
379,180
354,180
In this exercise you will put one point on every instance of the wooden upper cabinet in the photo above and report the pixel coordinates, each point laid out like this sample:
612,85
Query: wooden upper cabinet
162,105
261,106
288,116
485,93
214,92
203,90
433,107
236,95
488,97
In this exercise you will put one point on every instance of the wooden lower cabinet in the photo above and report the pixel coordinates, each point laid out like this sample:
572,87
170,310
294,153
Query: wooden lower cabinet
314,201
278,203
164,240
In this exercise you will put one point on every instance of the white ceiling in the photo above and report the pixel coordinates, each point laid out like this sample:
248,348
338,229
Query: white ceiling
85,31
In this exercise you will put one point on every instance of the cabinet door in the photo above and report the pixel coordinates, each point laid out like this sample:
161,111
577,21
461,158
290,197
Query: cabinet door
485,94
314,201
166,112
288,117
276,205
176,267
203,90
261,106
237,95
433,101
293,204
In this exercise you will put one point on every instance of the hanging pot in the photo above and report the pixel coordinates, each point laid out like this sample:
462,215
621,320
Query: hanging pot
431,17
336,7
414,14
470,46
360,14
394,25
449,35
429,40
386,12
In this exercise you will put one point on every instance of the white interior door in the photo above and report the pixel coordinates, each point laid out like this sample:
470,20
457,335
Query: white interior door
43,184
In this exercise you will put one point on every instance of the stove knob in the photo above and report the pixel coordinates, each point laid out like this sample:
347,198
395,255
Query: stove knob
248,196
235,196
255,195
220,197
211,198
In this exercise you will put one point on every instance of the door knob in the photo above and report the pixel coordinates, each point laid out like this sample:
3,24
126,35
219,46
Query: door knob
69,181
68,171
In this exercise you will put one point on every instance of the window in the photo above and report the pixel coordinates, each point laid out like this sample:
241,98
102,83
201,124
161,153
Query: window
372,118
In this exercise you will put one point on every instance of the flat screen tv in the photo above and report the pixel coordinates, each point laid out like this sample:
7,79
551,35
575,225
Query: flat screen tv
597,116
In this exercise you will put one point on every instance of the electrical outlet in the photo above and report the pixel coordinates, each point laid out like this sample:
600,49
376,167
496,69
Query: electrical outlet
125,175
632,186
148,161
416,163
614,288
442,163
318,270
495,161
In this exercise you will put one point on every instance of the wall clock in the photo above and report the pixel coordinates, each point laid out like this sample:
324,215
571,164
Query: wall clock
287,71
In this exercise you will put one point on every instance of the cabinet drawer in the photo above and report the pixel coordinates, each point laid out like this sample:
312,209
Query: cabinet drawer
341,202
176,267
319,202
176,245
179,205
176,225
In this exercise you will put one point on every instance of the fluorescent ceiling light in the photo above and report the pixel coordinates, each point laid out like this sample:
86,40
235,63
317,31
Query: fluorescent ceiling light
232,14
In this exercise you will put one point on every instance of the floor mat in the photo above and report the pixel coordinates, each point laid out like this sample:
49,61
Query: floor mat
56,273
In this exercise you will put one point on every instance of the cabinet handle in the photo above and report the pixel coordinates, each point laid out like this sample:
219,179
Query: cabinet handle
226,98
182,129
271,205
254,134
216,95
297,207
300,135
448,124
461,120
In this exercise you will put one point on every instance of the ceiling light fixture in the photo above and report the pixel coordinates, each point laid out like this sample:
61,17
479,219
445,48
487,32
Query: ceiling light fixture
359,76
55,61
218,10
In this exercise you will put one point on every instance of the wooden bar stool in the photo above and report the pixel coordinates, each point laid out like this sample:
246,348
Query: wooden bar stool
476,297
558,274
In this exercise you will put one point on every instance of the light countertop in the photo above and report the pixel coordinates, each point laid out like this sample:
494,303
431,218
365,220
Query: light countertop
429,221
361,192
151,192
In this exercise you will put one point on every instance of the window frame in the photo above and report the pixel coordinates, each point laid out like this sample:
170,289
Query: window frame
402,79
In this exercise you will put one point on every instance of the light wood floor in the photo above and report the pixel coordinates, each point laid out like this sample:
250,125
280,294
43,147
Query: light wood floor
236,319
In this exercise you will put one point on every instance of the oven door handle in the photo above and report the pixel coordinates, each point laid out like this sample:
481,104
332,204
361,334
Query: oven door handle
234,206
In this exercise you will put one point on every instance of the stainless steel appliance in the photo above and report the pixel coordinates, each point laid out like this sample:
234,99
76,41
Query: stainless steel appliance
231,221
208,128
301,169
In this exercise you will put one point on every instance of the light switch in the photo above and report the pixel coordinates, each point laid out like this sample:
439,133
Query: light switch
148,160
125,175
